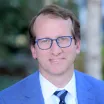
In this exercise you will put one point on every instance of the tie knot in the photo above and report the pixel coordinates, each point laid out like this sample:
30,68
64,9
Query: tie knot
61,94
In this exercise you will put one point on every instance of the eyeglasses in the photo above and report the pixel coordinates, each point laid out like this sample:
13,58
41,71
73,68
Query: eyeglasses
46,43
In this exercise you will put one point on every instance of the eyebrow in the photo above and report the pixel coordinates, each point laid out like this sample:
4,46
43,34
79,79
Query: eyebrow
53,38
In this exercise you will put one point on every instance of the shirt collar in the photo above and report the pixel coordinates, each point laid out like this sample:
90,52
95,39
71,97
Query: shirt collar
48,88
71,86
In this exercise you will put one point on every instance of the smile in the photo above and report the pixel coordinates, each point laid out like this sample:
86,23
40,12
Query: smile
56,60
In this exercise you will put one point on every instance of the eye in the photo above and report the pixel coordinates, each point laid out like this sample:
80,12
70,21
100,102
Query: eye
45,40
62,39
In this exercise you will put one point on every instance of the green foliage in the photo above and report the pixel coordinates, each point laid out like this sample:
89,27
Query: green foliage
15,16
6,81
79,63
14,19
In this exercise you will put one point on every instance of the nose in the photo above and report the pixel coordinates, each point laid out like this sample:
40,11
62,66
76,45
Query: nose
55,49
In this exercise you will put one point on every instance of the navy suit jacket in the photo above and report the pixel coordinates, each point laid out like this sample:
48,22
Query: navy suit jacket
28,90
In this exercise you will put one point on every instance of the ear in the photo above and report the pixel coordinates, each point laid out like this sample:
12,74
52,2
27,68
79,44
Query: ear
33,51
78,45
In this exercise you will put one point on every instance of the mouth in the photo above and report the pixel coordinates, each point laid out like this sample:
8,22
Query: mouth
59,60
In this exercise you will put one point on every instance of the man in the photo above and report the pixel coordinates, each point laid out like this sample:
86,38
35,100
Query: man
55,42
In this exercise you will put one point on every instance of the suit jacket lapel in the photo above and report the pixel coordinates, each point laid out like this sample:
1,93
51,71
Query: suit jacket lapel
84,90
32,91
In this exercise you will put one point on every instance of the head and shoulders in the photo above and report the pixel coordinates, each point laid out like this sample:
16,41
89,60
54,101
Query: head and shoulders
57,61
55,43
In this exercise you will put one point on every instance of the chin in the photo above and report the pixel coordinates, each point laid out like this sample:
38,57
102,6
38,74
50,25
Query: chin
57,71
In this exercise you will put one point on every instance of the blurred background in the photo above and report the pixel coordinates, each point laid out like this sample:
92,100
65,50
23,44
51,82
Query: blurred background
16,61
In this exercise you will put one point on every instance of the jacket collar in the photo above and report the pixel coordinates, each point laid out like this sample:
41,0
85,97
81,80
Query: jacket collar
84,89
33,90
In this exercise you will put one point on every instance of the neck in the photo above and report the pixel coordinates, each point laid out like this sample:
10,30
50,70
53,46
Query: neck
60,80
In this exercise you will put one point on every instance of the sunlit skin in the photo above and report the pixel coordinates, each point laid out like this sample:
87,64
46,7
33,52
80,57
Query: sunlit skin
55,64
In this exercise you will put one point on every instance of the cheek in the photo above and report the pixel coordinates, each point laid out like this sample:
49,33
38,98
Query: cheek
42,54
70,50
70,53
43,59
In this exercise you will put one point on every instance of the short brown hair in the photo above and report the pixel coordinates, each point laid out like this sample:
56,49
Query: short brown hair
57,11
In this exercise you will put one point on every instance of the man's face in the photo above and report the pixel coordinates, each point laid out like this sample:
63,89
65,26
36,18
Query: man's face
56,60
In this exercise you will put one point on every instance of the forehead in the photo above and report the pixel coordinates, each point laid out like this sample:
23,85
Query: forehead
51,24
46,18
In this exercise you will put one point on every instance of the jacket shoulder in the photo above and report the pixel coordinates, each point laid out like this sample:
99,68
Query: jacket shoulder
95,83
16,89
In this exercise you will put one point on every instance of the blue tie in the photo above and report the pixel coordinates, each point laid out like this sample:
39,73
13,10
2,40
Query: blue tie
61,95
